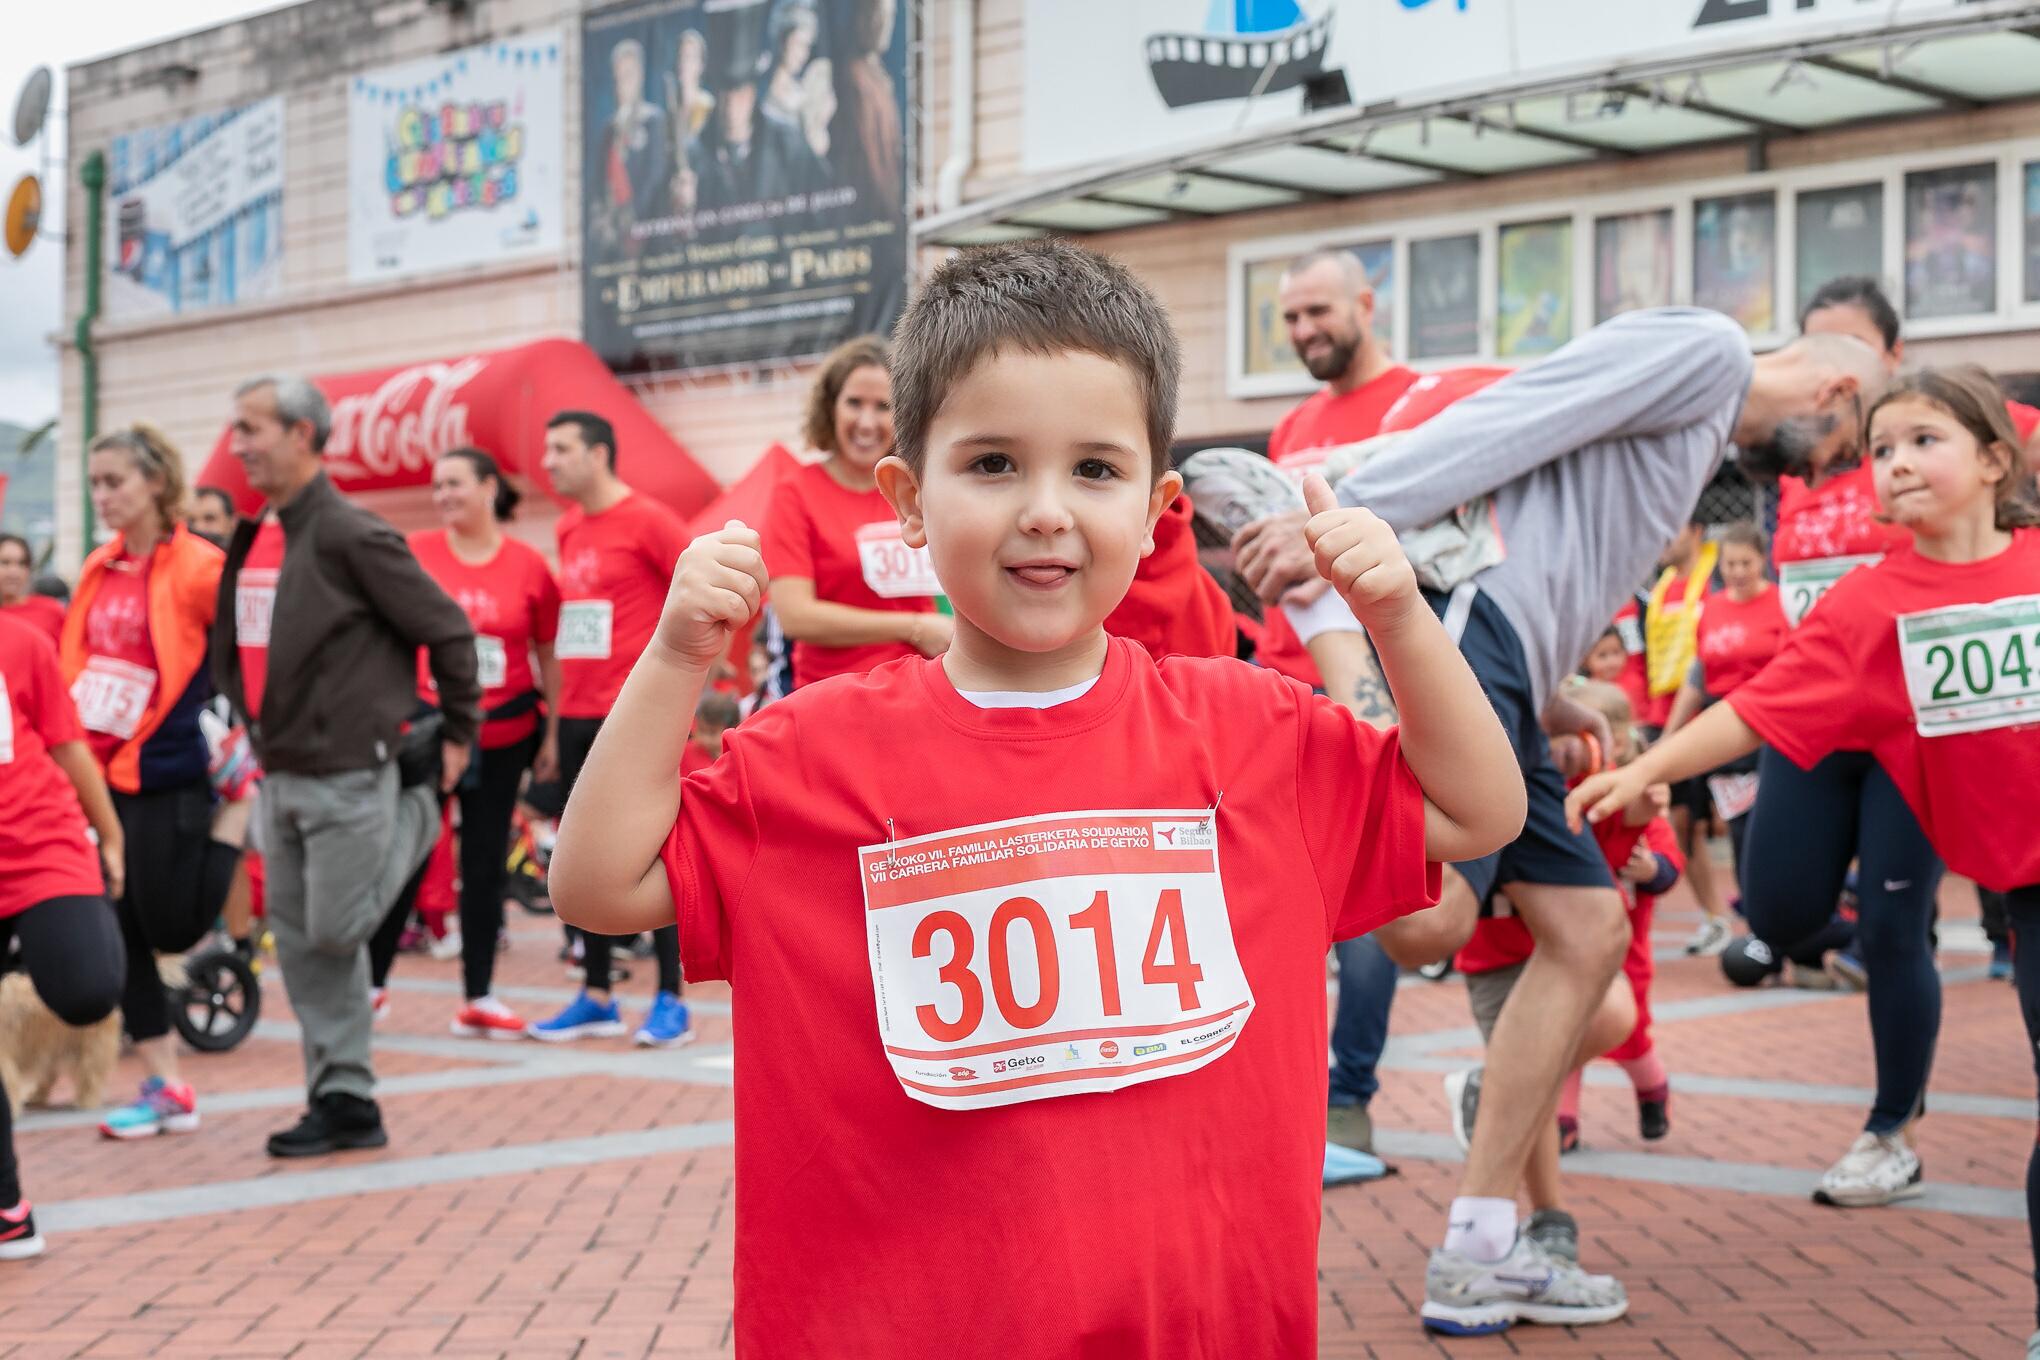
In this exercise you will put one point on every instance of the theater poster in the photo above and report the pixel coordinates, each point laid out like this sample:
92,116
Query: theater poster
457,159
744,179
196,213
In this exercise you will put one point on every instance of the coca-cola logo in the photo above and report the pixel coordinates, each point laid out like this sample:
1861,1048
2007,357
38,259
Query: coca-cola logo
404,424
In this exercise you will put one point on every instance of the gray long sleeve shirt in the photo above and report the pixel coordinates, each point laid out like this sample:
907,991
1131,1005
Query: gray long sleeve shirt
1595,458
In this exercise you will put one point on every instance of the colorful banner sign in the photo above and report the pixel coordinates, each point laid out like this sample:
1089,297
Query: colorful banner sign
197,213
457,160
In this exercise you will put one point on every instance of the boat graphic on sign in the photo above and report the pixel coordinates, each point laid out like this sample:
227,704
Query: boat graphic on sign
1241,40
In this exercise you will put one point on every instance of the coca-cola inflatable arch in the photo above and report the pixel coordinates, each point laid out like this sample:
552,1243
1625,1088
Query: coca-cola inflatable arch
389,424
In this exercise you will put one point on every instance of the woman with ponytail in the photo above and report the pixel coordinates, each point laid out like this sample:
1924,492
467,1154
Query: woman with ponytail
133,655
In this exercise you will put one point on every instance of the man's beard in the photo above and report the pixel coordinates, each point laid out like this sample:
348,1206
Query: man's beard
1789,451
1328,364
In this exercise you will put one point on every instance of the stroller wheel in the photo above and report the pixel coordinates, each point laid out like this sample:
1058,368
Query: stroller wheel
219,1003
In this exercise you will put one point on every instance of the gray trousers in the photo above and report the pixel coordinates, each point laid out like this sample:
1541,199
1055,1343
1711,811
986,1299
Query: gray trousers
337,850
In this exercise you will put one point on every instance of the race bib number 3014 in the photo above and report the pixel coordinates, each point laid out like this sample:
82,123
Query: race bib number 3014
1971,667
892,569
1022,960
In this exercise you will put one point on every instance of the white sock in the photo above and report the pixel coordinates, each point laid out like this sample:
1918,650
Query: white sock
1482,1228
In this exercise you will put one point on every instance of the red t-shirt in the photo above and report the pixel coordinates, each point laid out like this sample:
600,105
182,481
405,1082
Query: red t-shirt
1324,420
43,836
1175,607
1835,519
2025,419
1841,684
812,532
39,611
1087,1222
614,571
514,604
112,693
254,604
1737,637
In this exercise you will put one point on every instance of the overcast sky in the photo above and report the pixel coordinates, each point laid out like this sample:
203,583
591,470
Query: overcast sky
55,35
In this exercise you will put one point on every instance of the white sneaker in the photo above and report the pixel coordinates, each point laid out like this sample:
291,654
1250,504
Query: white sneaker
1710,938
1462,1096
1877,1169
1465,1297
447,946
378,1004
1231,488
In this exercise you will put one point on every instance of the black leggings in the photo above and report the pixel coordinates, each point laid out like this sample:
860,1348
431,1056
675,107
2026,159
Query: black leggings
72,950
577,738
2022,911
1804,830
487,800
173,866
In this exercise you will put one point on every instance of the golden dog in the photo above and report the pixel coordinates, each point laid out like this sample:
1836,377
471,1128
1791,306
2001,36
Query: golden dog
36,1048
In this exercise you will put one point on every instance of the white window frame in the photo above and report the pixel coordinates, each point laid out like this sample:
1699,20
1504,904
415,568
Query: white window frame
2012,313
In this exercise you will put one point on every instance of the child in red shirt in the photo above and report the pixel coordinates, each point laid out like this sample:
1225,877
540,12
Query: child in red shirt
1926,660
1026,942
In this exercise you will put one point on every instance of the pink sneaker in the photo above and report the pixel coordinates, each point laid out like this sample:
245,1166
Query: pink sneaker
161,1108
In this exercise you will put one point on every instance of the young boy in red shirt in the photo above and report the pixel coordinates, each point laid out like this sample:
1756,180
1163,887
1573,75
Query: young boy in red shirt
1026,941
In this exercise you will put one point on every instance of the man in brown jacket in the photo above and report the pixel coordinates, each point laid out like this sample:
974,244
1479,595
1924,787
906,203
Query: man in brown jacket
322,611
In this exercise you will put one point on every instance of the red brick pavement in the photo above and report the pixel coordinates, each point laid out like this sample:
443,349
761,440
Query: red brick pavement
631,1256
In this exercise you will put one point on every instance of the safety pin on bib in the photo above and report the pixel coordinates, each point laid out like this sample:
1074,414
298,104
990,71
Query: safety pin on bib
892,840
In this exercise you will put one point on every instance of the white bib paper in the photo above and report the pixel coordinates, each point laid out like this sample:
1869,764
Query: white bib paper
112,696
492,662
1972,667
584,630
1803,583
892,569
254,603
1733,794
6,725
1079,951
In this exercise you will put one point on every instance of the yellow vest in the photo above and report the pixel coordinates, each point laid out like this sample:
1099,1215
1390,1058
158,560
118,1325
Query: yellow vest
1670,636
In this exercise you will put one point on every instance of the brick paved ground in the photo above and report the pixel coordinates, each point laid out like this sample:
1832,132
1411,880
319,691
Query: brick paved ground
540,1202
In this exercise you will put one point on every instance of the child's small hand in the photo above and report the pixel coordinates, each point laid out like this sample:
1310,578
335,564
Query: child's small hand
1358,553
1642,866
1600,796
717,588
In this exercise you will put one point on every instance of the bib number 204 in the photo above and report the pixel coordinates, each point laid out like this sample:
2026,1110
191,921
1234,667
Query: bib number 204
1167,933
1979,670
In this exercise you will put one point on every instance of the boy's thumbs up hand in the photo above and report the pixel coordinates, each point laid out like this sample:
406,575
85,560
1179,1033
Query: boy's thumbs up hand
1358,553
718,587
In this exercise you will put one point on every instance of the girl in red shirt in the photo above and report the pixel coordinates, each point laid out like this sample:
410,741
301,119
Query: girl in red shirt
1741,628
134,658
848,593
1927,661
52,894
511,598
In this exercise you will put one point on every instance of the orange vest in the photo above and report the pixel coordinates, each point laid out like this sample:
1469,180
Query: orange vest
184,582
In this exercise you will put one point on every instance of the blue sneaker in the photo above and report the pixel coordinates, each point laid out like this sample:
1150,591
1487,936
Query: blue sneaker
665,1024
582,1019
1344,1165
2000,961
161,1108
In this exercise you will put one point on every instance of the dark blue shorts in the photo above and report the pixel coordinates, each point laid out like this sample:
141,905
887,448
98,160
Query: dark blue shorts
1547,851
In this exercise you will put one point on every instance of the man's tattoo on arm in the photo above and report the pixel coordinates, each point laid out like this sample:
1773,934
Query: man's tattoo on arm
1373,704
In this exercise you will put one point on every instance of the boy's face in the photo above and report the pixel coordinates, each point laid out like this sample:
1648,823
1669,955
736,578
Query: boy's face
1036,499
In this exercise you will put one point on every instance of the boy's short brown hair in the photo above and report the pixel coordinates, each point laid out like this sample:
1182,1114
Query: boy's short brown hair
1038,297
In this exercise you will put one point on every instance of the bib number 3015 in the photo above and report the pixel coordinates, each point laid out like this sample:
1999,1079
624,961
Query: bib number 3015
1972,667
1024,960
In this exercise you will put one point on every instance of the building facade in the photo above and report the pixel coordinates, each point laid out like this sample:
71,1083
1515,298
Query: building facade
1510,171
